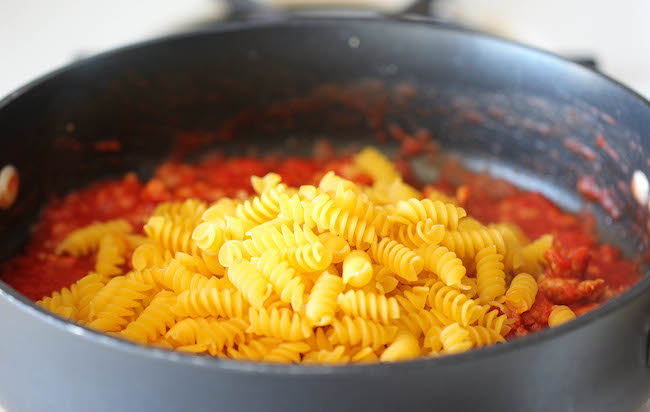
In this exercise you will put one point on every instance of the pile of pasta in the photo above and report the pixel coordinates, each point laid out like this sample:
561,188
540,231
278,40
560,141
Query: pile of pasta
334,273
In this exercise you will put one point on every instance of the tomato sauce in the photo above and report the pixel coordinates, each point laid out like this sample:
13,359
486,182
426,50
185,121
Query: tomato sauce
581,273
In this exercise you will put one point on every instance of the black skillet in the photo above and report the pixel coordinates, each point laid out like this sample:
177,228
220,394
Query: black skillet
499,105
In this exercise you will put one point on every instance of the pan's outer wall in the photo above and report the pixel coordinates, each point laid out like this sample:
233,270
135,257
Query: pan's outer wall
144,96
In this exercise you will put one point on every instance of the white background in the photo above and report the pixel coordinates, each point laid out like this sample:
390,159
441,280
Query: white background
37,36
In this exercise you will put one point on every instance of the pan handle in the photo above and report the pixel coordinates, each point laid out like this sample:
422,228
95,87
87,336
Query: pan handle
255,9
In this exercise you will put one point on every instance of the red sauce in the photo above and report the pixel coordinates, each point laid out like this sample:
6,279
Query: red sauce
581,273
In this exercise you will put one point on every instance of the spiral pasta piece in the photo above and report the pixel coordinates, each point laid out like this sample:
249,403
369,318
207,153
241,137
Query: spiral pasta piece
85,289
86,240
412,298
419,322
179,277
336,355
355,231
354,331
432,339
273,238
208,237
250,282
513,256
111,255
418,234
287,352
173,236
262,208
490,277
211,301
267,182
385,192
150,255
289,287
294,209
455,339
414,210
231,252
370,306
521,293
559,315
398,258
254,349
279,323
219,210
482,336
385,280
467,244
372,162
453,304
154,320
330,181
533,254
444,263
213,333
322,303
495,321
190,209
335,244
405,346
63,303
114,314
357,269
308,258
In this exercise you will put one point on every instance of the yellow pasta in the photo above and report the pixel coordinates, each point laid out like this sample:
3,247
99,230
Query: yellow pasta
329,274
282,323
308,258
533,254
231,252
334,356
398,258
354,331
490,277
468,243
335,244
455,339
444,263
211,301
405,346
213,333
414,211
114,313
209,237
111,255
178,277
86,240
453,304
150,255
261,208
559,315
287,285
372,162
288,352
322,302
220,209
419,322
357,269
371,306
254,349
355,231
418,234
154,320
521,293
250,282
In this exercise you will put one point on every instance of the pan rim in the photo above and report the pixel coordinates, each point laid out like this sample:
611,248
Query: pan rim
21,302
